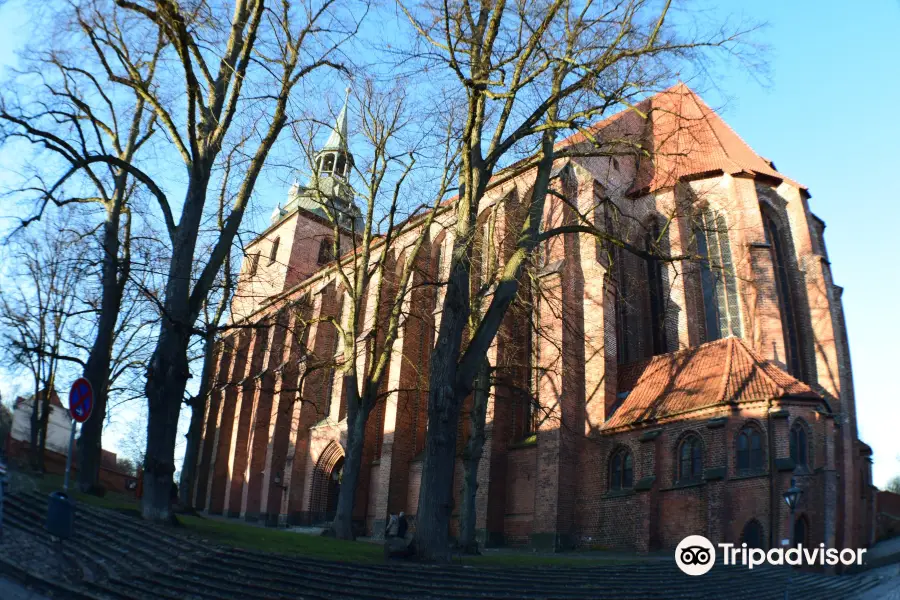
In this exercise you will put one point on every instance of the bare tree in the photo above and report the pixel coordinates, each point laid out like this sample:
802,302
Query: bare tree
69,114
215,310
526,71
894,485
388,259
236,69
36,313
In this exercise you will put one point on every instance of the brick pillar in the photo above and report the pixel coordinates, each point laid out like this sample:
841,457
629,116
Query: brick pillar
320,341
550,444
646,486
282,421
761,297
241,433
717,455
830,434
253,505
561,391
490,497
391,474
218,488
294,462
206,454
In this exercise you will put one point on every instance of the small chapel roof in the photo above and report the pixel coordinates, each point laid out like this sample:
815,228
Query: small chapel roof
722,372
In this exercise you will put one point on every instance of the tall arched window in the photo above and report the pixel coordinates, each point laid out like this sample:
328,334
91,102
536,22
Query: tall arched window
273,252
801,531
799,445
749,450
721,314
254,264
786,304
690,459
341,165
657,297
326,250
621,470
752,535
328,164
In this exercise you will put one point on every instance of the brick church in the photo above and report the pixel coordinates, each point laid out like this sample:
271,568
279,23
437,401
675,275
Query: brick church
649,399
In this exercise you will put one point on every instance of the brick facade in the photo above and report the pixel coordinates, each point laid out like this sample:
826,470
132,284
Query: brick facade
571,364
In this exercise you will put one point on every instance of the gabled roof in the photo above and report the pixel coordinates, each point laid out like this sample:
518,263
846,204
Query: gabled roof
717,373
684,138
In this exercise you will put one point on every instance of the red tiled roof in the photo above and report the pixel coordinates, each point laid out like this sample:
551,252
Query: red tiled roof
684,138
722,372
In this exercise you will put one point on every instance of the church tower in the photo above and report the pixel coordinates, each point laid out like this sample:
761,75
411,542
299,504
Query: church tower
300,237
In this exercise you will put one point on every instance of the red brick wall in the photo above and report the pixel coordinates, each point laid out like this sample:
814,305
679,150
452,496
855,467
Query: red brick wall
520,495
55,463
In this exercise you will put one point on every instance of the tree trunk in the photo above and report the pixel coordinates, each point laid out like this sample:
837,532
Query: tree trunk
444,400
195,431
471,457
357,413
35,426
42,429
96,370
166,381
169,369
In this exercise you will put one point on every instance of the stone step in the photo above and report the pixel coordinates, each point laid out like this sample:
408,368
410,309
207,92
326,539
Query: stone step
111,555
417,584
141,539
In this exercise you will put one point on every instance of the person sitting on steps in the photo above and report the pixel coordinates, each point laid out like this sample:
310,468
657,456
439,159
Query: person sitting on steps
391,529
402,525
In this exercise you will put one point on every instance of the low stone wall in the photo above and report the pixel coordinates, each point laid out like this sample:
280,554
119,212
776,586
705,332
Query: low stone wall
55,463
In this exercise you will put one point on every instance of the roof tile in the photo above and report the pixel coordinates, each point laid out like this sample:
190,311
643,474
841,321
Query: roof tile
721,372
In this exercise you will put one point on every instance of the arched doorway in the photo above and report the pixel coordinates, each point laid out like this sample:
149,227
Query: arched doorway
753,534
334,489
326,484
801,531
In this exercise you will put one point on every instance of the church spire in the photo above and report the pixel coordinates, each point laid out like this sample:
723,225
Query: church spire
338,138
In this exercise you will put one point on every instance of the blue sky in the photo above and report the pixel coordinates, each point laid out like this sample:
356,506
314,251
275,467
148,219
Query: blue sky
822,120
826,120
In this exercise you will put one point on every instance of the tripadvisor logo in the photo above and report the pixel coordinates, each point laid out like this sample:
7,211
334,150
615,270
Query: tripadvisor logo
696,555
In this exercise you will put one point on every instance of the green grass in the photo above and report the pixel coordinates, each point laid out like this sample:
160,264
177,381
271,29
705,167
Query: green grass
48,483
269,539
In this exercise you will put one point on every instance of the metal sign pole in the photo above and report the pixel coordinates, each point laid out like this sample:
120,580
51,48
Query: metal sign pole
69,457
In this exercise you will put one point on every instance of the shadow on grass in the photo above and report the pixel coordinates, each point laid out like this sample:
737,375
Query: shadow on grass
279,541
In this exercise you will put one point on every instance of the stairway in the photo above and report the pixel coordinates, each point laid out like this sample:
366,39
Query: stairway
121,557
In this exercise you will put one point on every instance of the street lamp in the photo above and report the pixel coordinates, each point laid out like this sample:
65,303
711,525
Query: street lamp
792,497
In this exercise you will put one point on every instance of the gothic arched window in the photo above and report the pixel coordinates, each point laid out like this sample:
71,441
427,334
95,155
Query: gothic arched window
273,252
341,165
254,264
328,164
801,531
621,470
657,297
752,535
786,303
690,459
799,445
326,250
749,450
721,314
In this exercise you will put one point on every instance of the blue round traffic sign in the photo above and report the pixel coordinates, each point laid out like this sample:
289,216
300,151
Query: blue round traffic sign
81,400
